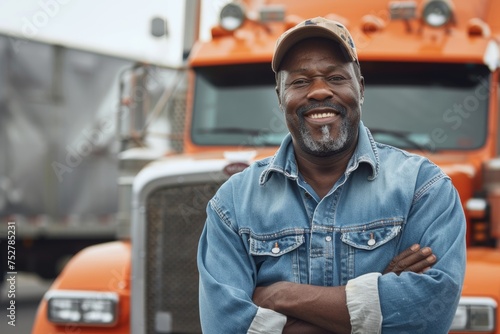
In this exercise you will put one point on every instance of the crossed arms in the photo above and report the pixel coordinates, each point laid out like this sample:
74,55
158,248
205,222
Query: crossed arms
309,309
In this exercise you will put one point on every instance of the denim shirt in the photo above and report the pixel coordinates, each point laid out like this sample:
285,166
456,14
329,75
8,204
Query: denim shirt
266,224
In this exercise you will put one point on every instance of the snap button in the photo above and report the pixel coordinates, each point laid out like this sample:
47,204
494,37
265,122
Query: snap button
328,238
372,241
276,249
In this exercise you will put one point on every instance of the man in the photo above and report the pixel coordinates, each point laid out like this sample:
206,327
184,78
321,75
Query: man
325,236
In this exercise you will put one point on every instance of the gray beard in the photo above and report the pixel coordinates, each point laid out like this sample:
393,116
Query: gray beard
326,144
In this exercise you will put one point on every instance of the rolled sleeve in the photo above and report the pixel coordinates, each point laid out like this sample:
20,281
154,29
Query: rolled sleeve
267,321
364,305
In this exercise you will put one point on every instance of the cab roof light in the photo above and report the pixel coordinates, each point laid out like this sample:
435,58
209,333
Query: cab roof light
437,13
272,13
232,16
403,10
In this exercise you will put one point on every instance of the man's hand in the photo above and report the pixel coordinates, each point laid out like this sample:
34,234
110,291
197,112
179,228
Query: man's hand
412,259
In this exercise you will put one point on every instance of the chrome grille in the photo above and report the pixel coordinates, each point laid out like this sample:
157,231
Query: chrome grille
175,219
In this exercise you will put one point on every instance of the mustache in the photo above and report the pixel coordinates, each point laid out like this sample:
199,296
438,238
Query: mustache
331,105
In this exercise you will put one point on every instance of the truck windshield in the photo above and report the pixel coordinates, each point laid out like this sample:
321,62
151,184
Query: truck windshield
424,106
237,105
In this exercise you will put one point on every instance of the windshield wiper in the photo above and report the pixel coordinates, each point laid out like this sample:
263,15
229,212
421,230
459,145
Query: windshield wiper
257,137
234,130
404,136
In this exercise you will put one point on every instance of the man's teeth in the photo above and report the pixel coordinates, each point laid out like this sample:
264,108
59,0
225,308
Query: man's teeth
322,115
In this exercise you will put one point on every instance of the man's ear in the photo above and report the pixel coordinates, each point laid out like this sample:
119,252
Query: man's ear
362,90
276,89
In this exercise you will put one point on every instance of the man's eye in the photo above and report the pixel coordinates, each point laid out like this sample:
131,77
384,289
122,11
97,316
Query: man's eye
299,82
335,78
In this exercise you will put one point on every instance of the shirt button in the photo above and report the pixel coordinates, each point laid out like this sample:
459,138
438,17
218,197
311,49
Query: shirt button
372,241
328,238
276,249
307,195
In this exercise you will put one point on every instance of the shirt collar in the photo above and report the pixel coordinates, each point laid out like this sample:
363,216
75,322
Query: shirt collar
283,161
366,152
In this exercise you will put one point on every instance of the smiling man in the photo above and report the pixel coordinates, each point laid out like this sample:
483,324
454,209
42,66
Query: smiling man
335,233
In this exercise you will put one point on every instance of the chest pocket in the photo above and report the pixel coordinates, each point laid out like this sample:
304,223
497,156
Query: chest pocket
275,246
279,258
368,247
371,238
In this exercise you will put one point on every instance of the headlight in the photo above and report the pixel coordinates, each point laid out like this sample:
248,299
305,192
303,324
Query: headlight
82,307
437,13
232,16
475,314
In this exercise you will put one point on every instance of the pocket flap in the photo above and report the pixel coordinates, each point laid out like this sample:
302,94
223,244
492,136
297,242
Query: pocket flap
275,246
370,238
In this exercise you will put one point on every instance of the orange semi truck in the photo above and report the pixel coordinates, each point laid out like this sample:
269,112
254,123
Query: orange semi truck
431,71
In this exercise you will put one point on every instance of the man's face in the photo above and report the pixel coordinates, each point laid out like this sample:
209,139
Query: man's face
321,95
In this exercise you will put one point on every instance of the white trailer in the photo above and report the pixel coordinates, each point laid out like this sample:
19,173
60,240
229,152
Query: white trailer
70,140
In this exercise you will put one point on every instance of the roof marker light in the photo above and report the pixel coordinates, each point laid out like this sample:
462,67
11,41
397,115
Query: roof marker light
372,23
479,28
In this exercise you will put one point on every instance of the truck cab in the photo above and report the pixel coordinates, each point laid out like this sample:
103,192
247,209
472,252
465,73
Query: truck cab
431,72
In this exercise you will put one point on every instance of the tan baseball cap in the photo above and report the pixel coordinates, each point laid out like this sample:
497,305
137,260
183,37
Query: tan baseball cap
316,27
